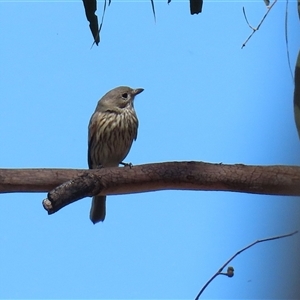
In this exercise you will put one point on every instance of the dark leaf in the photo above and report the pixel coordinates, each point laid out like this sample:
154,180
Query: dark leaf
196,6
153,9
90,7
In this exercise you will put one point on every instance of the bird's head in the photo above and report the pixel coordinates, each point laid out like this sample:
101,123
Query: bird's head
120,97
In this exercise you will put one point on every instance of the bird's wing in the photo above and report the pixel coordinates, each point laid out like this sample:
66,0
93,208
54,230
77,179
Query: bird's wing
136,130
92,136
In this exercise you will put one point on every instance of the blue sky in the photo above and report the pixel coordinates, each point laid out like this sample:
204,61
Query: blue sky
205,99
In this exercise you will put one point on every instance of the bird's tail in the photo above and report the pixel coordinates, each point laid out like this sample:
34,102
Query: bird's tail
97,213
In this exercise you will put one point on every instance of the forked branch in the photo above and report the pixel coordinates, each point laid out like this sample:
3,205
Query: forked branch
254,29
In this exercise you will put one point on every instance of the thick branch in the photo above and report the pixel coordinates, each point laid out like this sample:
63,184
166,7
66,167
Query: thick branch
72,185
274,180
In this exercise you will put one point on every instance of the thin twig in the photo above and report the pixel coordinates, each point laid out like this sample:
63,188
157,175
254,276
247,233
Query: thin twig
219,272
286,38
262,20
244,12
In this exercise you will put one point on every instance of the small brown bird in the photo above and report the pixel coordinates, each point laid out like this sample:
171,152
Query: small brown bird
112,129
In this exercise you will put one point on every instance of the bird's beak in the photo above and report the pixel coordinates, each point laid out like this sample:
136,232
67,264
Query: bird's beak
137,91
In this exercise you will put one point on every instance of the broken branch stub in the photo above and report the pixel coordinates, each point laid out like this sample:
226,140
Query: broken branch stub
85,185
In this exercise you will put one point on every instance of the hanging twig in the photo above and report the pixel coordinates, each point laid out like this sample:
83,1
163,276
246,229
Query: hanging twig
230,270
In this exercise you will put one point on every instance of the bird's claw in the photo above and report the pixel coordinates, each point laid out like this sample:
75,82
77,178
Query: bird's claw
130,165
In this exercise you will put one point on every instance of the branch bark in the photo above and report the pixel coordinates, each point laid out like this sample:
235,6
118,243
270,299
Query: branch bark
70,184
272,180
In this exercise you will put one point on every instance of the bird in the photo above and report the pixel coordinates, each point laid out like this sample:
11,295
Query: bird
111,131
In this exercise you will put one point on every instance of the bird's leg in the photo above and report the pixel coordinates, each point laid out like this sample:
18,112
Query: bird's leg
130,165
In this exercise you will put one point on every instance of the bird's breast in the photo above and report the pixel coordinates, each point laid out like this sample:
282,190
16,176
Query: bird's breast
114,136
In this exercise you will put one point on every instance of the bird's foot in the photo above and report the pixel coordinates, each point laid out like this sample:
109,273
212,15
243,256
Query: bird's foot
130,165
99,167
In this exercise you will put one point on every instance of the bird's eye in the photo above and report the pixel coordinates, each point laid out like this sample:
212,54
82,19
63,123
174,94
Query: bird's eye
125,96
